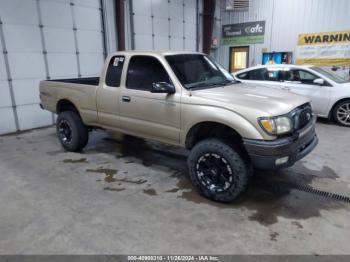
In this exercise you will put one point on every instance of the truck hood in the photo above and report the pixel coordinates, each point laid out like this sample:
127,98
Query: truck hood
237,97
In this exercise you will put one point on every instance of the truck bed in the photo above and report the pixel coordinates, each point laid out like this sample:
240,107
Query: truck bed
94,81
81,92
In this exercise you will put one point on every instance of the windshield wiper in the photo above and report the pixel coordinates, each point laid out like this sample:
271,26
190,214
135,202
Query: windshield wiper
226,82
199,85
214,84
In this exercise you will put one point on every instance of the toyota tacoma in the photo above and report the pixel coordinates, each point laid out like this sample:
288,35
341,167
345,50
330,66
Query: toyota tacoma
187,99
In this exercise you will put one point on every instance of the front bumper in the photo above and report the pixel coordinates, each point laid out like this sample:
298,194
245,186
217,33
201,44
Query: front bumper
265,153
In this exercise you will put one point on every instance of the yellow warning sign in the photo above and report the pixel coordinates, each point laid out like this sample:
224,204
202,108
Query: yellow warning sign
326,38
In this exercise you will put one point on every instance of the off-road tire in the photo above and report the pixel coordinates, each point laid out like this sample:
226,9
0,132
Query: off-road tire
79,132
343,106
240,167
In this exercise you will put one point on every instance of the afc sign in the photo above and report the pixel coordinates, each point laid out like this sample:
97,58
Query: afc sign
254,29
244,29
243,33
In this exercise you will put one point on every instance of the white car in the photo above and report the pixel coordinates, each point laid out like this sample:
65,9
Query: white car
330,94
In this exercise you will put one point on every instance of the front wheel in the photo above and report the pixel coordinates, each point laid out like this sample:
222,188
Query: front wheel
218,170
71,131
341,113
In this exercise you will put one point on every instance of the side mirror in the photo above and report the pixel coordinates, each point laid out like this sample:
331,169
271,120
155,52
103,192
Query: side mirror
319,81
163,87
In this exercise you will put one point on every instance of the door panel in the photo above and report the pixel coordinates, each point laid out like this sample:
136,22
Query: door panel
107,96
154,115
108,106
319,95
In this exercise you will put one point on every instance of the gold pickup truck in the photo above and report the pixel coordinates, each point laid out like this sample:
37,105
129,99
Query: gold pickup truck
187,99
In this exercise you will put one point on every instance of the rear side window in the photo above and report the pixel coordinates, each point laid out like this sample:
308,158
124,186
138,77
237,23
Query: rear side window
143,71
114,71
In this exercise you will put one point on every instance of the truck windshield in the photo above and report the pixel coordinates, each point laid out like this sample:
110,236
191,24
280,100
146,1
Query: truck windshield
198,71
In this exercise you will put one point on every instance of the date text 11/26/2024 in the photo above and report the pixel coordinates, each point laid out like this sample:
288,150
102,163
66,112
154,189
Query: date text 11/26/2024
173,258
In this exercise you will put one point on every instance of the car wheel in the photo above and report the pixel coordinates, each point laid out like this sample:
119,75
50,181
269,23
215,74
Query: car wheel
218,171
341,113
71,131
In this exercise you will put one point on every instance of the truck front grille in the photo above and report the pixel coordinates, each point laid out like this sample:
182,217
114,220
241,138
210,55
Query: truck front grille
302,116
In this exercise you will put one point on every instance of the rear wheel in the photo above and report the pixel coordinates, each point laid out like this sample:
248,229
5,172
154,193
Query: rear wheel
71,131
341,113
218,170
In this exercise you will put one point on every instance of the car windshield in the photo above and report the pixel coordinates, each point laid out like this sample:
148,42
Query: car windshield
198,71
331,75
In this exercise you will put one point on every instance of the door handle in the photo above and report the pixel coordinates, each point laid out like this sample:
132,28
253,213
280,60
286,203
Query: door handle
286,88
126,98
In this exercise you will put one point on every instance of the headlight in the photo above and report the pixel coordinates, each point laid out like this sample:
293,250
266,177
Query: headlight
276,125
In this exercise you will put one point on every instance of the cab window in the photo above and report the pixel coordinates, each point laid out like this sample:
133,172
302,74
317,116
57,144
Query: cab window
114,71
143,71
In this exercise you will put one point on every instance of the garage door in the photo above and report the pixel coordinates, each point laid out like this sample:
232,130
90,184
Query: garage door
44,39
164,25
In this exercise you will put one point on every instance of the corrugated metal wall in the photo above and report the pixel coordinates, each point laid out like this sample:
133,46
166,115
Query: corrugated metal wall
285,19
164,24
42,39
